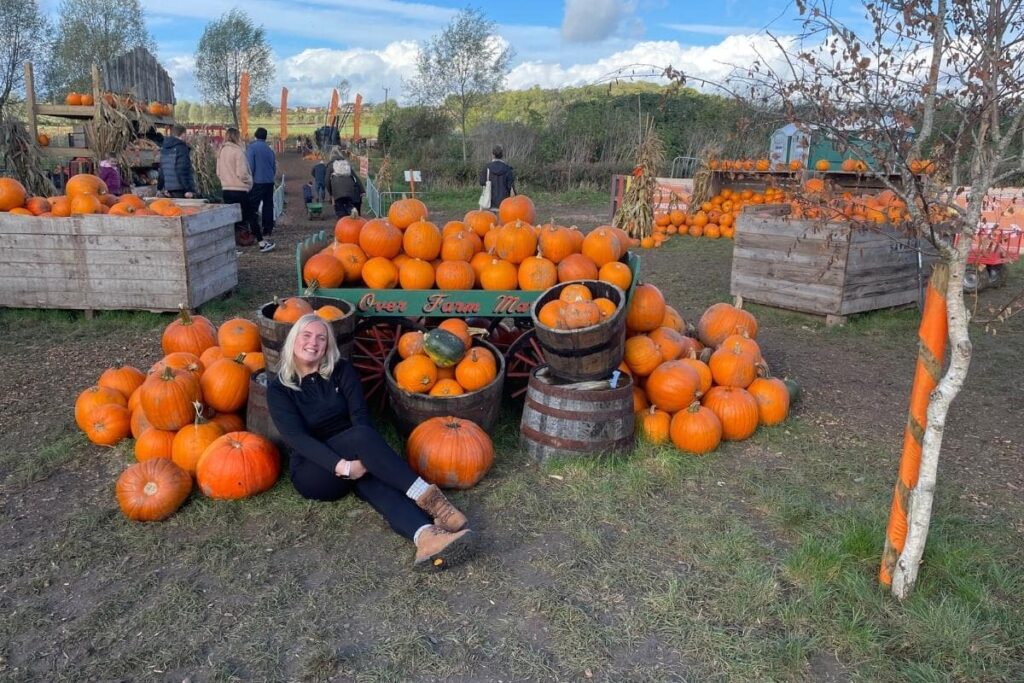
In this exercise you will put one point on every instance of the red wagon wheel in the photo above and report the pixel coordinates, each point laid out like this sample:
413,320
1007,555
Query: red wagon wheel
522,357
373,340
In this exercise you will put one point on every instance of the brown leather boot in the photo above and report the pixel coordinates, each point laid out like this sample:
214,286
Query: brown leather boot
437,548
445,515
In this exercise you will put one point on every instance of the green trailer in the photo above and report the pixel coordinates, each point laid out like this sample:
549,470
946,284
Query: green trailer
383,315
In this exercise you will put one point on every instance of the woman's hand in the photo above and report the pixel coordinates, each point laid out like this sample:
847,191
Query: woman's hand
358,469
349,469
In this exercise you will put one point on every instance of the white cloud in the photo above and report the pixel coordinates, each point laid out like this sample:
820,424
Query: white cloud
714,63
714,29
310,75
590,20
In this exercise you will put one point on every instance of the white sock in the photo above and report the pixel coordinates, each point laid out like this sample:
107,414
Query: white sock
416,536
418,488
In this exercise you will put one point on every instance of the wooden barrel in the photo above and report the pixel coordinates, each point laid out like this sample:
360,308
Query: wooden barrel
257,412
273,333
588,353
482,406
576,419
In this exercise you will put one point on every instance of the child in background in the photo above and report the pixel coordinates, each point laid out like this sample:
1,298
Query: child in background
307,192
110,175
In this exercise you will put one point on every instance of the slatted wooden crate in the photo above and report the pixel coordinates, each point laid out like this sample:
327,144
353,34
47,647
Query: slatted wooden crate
826,268
99,262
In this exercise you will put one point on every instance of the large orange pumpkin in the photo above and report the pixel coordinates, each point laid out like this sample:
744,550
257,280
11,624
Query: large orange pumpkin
721,320
450,452
323,269
405,212
646,308
499,274
94,397
380,238
696,430
236,336
415,273
517,208
422,240
12,194
238,465
736,410
516,242
85,183
480,221
192,333
167,398
577,267
555,243
347,229
772,398
455,275
352,259
107,424
537,273
153,490
124,378
642,356
380,273
602,246
672,386
225,384
192,440
731,366
291,309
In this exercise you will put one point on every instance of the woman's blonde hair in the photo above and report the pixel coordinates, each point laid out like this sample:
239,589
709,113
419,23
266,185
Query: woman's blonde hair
232,135
288,373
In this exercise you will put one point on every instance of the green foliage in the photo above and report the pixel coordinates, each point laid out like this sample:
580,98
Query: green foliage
23,32
91,32
460,66
416,133
229,46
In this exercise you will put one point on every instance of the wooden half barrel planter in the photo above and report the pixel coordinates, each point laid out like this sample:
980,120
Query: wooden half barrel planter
482,406
257,411
577,419
587,353
273,333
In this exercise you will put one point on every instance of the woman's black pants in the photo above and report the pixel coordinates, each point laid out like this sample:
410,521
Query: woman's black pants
241,197
383,486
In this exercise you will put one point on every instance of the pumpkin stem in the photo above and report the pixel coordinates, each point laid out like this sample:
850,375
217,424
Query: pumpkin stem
240,358
694,407
198,407
168,374
312,288
186,318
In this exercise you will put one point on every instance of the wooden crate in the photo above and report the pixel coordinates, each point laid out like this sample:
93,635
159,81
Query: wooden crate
825,268
99,262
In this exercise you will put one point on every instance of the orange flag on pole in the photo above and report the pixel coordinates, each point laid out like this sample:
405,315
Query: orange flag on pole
355,116
284,115
243,106
333,109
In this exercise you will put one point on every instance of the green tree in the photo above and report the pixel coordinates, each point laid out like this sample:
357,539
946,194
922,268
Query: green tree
23,30
181,110
229,46
460,66
91,32
262,108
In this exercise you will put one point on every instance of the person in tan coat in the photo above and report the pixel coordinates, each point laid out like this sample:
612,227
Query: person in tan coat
236,181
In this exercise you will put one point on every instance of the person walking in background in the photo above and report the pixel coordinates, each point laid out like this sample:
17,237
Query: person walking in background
501,176
344,186
236,181
263,165
110,175
319,174
176,178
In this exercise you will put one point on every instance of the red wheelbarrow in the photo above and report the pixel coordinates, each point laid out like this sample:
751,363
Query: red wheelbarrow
991,249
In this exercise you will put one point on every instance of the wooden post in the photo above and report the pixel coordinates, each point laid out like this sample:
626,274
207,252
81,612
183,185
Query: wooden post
30,101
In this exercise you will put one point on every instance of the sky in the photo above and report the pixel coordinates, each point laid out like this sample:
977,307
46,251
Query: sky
373,43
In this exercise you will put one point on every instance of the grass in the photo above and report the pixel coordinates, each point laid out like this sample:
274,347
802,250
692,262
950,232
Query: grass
755,562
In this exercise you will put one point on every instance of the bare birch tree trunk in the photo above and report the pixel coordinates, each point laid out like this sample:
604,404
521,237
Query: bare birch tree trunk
919,504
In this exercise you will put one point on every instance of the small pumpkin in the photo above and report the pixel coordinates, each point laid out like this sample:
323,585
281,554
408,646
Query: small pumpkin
517,208
153,490
446,387
415,273
291,309
225,384
455,275
721,320
380,273
416,374
731,366
458,327
450,452
672,386
772,396
107,424
237,465
154,443
123,378
653,424
642,356
537,274
191,440
646,308
577,267
94,397
323,269
422,240
477,370
499,274
410,343
167,398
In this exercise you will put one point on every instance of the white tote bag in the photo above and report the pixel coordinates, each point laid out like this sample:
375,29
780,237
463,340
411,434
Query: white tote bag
485,194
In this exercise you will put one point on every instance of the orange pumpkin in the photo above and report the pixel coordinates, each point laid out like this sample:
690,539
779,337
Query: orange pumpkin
192,439
516,242
405,212
477,369
642,356
167,398
459,246
602,246
639,398
415,273
152,491
93,397
670,343
12,194
517,208
347,229
616,273
229,422
225,384
721,320
577,267
555,243
237,465
107,424
772,398
422,240
550,313
736,409
653,424
646,308
154,443
450,452
579,314
191,333
731,366
238,335
410,343
672,386
330,313
416,374
324,270
380,238
455,275
575,292
480,221
499,274
123,378
696,430
447,387
380,273
291,309
536,273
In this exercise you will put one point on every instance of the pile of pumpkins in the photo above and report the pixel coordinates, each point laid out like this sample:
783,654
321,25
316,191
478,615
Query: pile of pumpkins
576,306
443,362
697,391
184,414
83,194
713,219
820,201
483,251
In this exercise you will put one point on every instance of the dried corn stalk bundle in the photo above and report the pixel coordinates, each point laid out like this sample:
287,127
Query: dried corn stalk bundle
20,156
119,131
636,213
204,167
703,189
383,180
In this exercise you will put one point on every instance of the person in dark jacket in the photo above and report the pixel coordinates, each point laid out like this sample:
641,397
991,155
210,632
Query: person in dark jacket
263,165
344,186
316,402
319,174
501,175
176,178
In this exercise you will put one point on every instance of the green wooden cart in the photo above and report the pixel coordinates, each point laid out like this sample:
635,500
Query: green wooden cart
385,314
